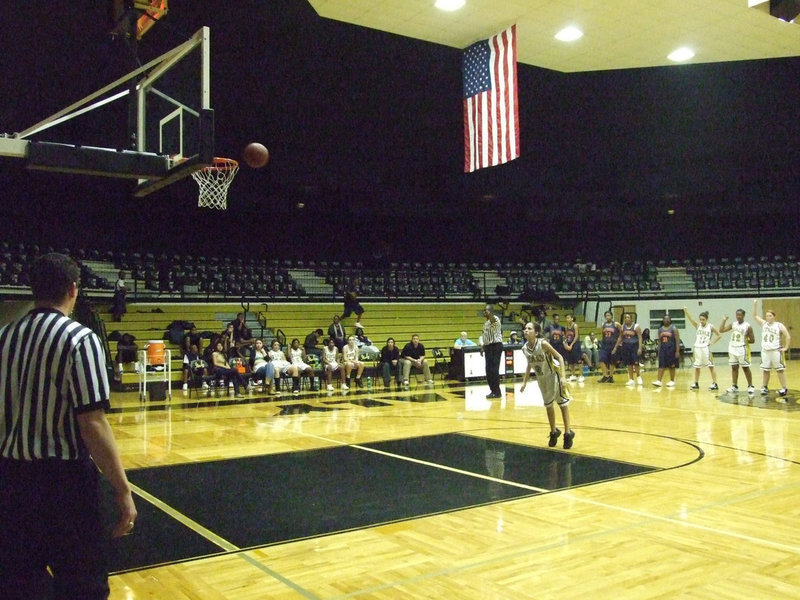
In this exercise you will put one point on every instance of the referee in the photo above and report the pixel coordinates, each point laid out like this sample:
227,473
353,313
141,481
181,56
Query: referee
53,438
492,350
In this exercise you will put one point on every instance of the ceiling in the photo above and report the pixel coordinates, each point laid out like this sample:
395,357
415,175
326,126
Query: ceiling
618,34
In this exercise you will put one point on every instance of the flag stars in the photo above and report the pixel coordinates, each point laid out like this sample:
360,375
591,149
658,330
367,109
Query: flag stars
476,69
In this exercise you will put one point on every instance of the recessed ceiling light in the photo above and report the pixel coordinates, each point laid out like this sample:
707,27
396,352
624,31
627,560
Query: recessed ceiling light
681,54
569,34
449,5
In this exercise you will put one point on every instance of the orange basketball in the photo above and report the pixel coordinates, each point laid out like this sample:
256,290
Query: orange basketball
256,155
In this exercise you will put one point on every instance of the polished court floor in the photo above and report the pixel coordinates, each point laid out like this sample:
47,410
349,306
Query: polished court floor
437,492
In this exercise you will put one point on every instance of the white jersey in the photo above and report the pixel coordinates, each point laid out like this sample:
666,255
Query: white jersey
350,354
278,358
541,362
703,337
547,375
771,336
296,358
329,356
739,334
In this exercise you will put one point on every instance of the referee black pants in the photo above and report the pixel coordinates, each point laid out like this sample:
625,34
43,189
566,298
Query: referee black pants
492,353
50,517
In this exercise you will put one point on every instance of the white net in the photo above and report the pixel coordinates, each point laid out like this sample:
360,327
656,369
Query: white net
214,182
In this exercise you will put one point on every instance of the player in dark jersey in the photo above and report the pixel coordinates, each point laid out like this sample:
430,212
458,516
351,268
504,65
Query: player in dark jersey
630,346
669,351
555,336
609,334
572,349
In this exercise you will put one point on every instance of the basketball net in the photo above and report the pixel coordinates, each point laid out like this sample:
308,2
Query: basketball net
214,182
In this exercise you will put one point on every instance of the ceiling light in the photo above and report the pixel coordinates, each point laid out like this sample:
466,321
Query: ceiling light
681,54
569,34
449,5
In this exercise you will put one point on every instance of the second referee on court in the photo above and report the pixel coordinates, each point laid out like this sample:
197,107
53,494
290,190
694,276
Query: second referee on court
492,350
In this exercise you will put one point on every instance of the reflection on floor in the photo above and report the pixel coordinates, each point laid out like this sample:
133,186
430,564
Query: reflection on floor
771,401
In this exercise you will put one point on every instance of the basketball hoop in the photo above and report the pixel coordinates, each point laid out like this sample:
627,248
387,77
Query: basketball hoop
214,182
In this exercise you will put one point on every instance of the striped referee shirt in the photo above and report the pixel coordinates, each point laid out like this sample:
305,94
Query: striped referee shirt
492,331
51,369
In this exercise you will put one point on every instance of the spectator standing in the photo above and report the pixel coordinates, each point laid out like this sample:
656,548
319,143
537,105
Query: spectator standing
492,350
51,530
118,307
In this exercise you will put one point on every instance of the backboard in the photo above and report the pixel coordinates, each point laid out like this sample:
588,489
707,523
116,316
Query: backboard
170,126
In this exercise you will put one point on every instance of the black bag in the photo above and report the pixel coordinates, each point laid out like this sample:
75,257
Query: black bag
158,391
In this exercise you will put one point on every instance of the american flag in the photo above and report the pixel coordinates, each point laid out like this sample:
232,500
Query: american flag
491,116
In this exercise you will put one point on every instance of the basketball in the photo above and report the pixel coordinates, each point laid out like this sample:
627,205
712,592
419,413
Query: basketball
256,155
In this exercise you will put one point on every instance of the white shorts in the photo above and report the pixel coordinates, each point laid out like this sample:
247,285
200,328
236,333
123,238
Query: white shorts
702,357
772,359
552,390
334,366
739,355
281,366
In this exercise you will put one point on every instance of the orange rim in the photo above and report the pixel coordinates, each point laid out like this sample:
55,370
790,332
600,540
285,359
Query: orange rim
223,164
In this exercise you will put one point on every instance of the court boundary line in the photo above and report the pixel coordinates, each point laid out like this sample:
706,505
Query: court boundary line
648,517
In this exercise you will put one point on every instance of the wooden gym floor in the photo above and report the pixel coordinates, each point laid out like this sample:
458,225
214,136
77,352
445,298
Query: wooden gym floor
435,492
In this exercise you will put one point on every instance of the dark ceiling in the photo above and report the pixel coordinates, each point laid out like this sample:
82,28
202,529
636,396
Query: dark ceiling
365,131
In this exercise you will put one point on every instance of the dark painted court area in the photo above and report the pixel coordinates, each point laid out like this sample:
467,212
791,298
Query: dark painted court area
269,499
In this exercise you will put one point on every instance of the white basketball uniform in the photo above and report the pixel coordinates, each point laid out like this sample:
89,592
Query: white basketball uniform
702,351
278,359
350,354
771,355
329,358
738,347
542,364
296,356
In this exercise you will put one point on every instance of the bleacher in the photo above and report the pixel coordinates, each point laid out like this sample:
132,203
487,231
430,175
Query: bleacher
150,321
186,278
437,324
